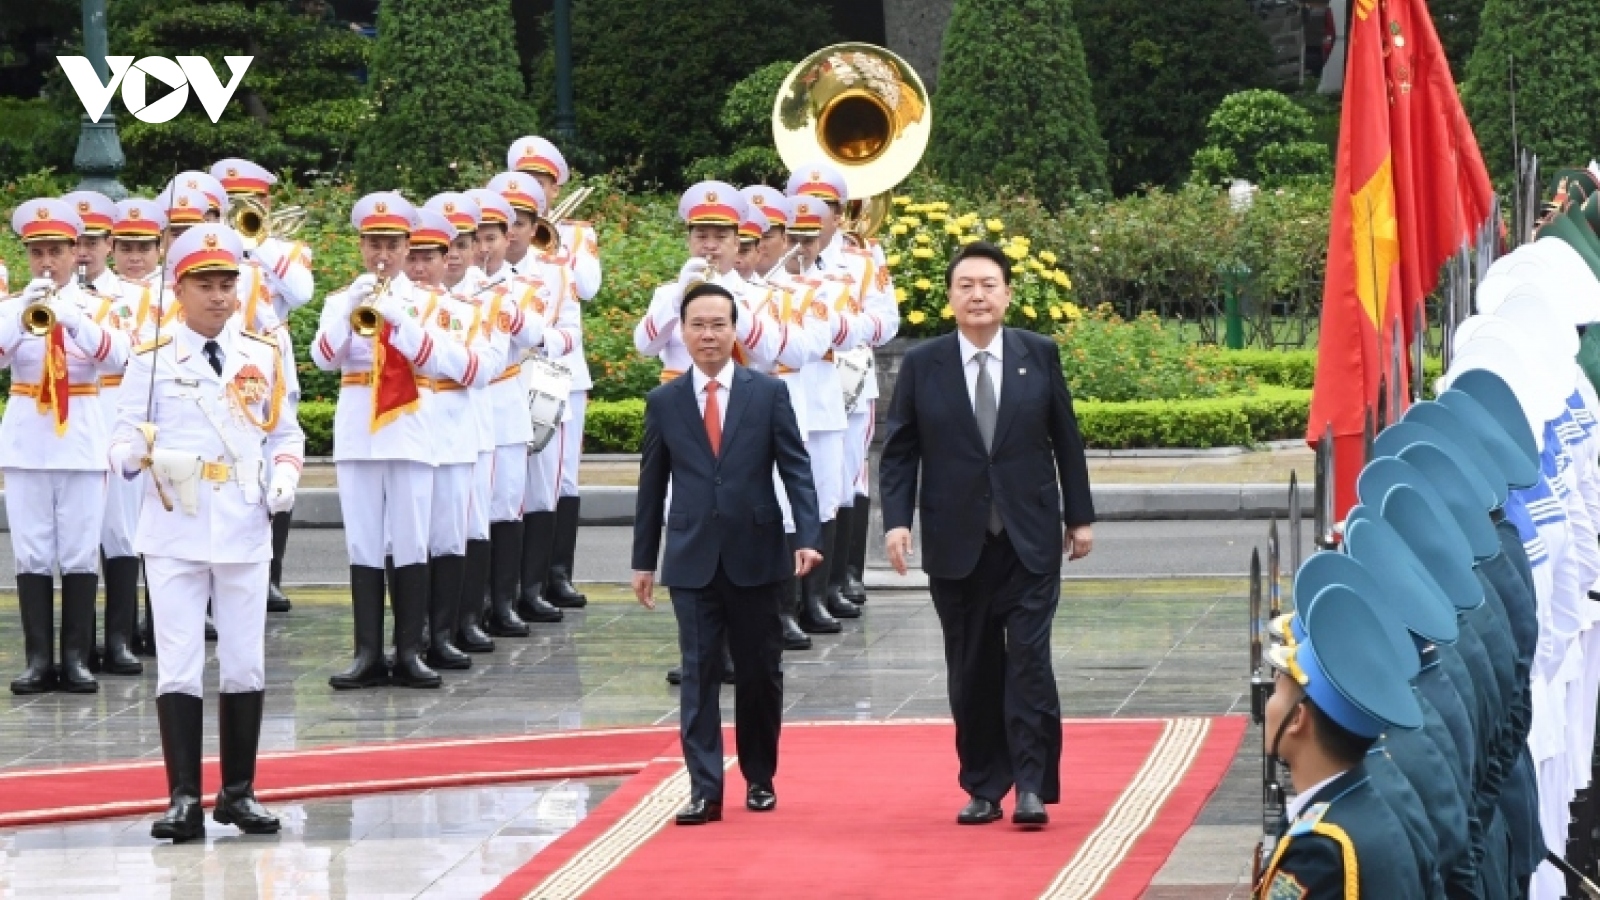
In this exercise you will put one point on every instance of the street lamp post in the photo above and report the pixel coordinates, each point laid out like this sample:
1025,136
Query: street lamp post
566,120
99,156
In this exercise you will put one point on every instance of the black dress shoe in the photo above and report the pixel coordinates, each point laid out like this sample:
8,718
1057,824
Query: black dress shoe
675,675
699,812
760,798
979,811
1029,811
245,813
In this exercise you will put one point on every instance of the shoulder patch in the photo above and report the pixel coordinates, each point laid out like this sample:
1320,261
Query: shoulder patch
147,346
1285,887
262,338
1309,820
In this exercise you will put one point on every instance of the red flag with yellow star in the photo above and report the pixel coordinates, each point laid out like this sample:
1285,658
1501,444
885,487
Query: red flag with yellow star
1410,189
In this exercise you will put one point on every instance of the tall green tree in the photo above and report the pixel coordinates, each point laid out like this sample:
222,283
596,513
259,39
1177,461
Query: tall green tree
1554,44
1457,22
446,92
1014,106
299,105
1159,69
650,76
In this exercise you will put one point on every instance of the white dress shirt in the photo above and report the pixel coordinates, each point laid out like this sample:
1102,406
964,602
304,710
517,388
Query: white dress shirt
724,385
1298,805
969,364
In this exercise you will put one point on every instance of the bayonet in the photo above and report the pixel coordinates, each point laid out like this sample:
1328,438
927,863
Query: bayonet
1295,516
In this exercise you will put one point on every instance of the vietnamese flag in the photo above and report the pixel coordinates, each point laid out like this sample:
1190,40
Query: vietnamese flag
394,385
1410,190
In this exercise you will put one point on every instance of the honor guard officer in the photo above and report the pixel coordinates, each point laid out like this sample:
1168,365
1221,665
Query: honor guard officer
94,246
453,422
464,280
224,452
53,442
1337,691
545,293
869,293
828,421
578,251
279,273
136,250
184,208
372,333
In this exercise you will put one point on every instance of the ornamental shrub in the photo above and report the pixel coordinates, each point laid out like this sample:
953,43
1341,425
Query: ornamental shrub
1159,69
1107,357
446,92
1014,107
1558,86
1268,136
746,128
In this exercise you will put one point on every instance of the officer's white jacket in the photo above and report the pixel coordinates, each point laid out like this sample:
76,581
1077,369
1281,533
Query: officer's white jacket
657,333
28,438
480,303
806,339
580,254
220,418
284,273
338,348
449,411
869,292
521,308
565,346
822,303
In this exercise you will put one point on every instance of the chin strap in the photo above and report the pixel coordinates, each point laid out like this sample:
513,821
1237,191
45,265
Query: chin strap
1277,737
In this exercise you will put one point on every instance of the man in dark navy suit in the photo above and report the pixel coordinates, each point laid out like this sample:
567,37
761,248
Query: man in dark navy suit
984,419
715,435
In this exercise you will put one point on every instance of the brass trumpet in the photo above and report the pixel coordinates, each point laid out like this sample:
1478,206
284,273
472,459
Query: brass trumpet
364,319
37,317
249,217
546,235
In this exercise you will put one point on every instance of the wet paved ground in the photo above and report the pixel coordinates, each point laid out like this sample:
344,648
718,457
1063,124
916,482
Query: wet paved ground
1122,649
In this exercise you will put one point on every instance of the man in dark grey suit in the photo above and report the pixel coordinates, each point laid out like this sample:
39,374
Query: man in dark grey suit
984,419
714,435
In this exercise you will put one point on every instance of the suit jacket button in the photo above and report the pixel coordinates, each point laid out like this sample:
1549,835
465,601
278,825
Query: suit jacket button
719,481
715,513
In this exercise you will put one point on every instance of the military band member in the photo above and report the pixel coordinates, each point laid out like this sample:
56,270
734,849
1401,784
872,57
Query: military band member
579,253
869,294
382,450
508,295
185,208
53,449
453,422
94,246
465,280
136,251
224,452
206,185
279,273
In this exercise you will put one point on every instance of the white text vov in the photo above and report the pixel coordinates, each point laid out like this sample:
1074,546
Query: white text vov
180,75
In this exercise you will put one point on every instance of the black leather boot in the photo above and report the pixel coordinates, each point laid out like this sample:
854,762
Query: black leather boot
470,636
813,616
179,717
855,588
35,600
505,563
408,596
833,567
77,631
145,637
538,543
444,609
788,605
366,607
558,589
276,601
122,613
238,736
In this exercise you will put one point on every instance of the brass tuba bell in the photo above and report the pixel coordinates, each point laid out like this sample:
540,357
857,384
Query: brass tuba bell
864,109
249,217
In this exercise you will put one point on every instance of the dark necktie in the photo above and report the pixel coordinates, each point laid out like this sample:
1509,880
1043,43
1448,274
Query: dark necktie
214,356
987,412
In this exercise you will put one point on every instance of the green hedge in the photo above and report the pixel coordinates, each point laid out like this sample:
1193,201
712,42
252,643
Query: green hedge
1298,368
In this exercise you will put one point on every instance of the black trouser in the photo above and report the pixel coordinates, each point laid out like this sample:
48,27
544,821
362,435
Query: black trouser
996,625
747,618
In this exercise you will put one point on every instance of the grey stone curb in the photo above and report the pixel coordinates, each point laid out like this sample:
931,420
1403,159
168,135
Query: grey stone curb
319,507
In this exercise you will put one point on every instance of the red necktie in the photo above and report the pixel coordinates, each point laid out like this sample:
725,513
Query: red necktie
713,418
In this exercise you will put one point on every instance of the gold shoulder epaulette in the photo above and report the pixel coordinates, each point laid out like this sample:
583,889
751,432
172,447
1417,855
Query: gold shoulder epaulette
156,344
262,338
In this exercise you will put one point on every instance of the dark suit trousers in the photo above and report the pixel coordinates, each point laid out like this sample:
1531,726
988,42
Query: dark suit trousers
747,618
996,625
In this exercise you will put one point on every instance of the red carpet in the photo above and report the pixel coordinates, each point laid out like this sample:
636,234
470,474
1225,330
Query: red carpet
867,810
33,796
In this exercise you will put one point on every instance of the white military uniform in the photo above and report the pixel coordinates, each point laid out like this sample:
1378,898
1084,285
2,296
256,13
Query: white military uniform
214,545
386,472
549,299
132,304
508,403
869,293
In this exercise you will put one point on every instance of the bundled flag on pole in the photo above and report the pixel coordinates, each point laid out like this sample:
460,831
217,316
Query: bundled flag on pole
1410,191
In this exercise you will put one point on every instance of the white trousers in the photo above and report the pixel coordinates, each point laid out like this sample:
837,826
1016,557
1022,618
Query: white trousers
387,504
55,520
544,477
452,502
122,516
179,591
508,481
857,440
571,440
827,471
482,490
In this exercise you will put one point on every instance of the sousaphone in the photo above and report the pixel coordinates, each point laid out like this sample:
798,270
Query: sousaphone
864,109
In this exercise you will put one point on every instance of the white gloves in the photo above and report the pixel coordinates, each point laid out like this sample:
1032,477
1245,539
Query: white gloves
696,269
362,287
393,311
268,254
280,496
37,289
69,315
